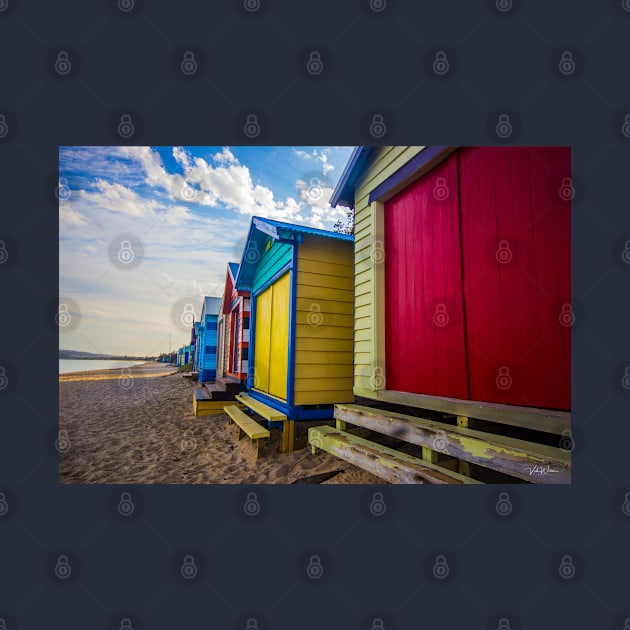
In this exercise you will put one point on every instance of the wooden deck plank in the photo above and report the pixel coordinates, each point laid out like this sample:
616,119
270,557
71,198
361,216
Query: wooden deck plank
381,461
267,412
524,460
548,421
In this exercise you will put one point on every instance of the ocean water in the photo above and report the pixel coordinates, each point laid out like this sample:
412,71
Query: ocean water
83,365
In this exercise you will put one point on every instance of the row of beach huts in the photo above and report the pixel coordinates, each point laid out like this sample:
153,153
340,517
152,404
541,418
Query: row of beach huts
431,346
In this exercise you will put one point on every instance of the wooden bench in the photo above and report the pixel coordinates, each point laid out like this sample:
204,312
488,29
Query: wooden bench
525,460
273,415
248,426
384,462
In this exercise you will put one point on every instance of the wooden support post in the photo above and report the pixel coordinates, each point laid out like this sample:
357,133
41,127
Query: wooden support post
288,436
240,433
260,447
429,455
462,466
341,425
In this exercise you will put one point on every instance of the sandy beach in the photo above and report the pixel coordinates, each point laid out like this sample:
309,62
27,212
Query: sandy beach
137,426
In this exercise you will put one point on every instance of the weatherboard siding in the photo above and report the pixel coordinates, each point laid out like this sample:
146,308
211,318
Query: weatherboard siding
369,368
273,257
324,322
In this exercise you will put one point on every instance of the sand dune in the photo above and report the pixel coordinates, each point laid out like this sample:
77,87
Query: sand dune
137,426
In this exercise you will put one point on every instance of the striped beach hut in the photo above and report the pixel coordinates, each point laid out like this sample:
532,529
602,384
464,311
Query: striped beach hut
300,346
207,340
232,353
463,291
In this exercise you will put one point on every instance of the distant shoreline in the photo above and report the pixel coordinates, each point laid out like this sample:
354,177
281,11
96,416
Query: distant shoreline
146,369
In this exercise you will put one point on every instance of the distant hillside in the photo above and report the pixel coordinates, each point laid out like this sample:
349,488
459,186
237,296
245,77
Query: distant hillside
79,354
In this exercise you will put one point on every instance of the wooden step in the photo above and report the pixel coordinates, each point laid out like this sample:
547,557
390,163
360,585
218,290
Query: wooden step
203,405
248,426
267,412
217,392
532,462
202,394
381,461
230,384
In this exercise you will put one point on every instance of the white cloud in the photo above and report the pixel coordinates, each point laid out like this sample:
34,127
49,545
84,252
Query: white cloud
70,216
187,242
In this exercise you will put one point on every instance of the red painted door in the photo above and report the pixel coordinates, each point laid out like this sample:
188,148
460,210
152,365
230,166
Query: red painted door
517,274
424,315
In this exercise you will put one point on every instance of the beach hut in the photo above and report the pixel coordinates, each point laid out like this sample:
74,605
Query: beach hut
195,354
462,287
207,340
233,328
300,344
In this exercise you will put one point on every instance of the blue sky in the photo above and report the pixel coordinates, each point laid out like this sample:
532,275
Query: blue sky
189,209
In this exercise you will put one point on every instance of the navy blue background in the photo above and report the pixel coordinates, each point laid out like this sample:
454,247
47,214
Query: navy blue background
374,63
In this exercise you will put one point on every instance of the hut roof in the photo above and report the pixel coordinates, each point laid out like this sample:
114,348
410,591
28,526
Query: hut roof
344,191
261,229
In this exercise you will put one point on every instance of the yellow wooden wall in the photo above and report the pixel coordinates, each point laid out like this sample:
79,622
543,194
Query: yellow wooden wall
369,257
324,322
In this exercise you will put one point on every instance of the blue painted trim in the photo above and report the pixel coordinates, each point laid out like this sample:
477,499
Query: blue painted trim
293,413
273,279
292,325
344,190
252,341
272,402
405,172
